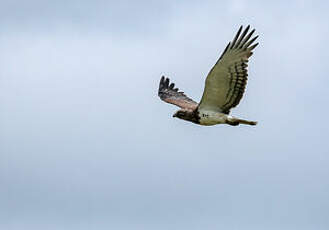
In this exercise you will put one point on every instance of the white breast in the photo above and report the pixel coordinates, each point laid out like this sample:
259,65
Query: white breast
212,118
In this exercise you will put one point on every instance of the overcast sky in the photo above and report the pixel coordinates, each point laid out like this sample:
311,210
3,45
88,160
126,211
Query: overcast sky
85,143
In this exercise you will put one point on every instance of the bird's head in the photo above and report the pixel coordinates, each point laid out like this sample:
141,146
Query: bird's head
180,114
188,115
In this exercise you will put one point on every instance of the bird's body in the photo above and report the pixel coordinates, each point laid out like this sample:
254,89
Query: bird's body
208,118
224,88
212,117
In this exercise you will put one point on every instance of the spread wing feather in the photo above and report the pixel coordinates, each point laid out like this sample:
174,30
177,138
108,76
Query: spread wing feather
226,81
168,93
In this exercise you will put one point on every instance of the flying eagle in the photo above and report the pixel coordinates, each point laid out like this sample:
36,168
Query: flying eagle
224,88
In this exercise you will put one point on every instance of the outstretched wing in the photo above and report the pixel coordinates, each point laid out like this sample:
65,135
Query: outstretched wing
170,94
226,81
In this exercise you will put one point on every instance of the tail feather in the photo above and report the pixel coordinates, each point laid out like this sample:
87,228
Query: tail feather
247,122
236,121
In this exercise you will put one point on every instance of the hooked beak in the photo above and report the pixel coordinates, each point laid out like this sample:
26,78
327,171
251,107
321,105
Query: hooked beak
175,115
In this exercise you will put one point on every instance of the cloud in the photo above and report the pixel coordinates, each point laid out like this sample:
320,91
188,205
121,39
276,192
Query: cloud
86,143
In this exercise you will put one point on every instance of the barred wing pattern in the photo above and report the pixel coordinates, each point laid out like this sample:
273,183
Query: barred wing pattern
170,94
226,81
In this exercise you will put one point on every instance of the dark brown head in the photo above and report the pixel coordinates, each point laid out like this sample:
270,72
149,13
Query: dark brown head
187,115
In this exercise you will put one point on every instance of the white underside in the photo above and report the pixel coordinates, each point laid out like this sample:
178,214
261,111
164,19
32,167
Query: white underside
212,118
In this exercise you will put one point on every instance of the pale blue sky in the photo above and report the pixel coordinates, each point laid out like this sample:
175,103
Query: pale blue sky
85,143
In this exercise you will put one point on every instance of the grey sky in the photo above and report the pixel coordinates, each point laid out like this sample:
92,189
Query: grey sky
86,144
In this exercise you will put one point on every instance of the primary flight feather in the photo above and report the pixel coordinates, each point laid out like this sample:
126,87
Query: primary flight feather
224,87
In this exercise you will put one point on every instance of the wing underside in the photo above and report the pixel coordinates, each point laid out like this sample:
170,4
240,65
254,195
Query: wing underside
226,81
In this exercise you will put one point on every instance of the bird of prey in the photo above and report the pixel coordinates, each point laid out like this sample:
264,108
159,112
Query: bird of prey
224,87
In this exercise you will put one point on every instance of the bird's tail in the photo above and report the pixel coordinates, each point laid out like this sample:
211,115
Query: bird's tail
236,121
241,121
